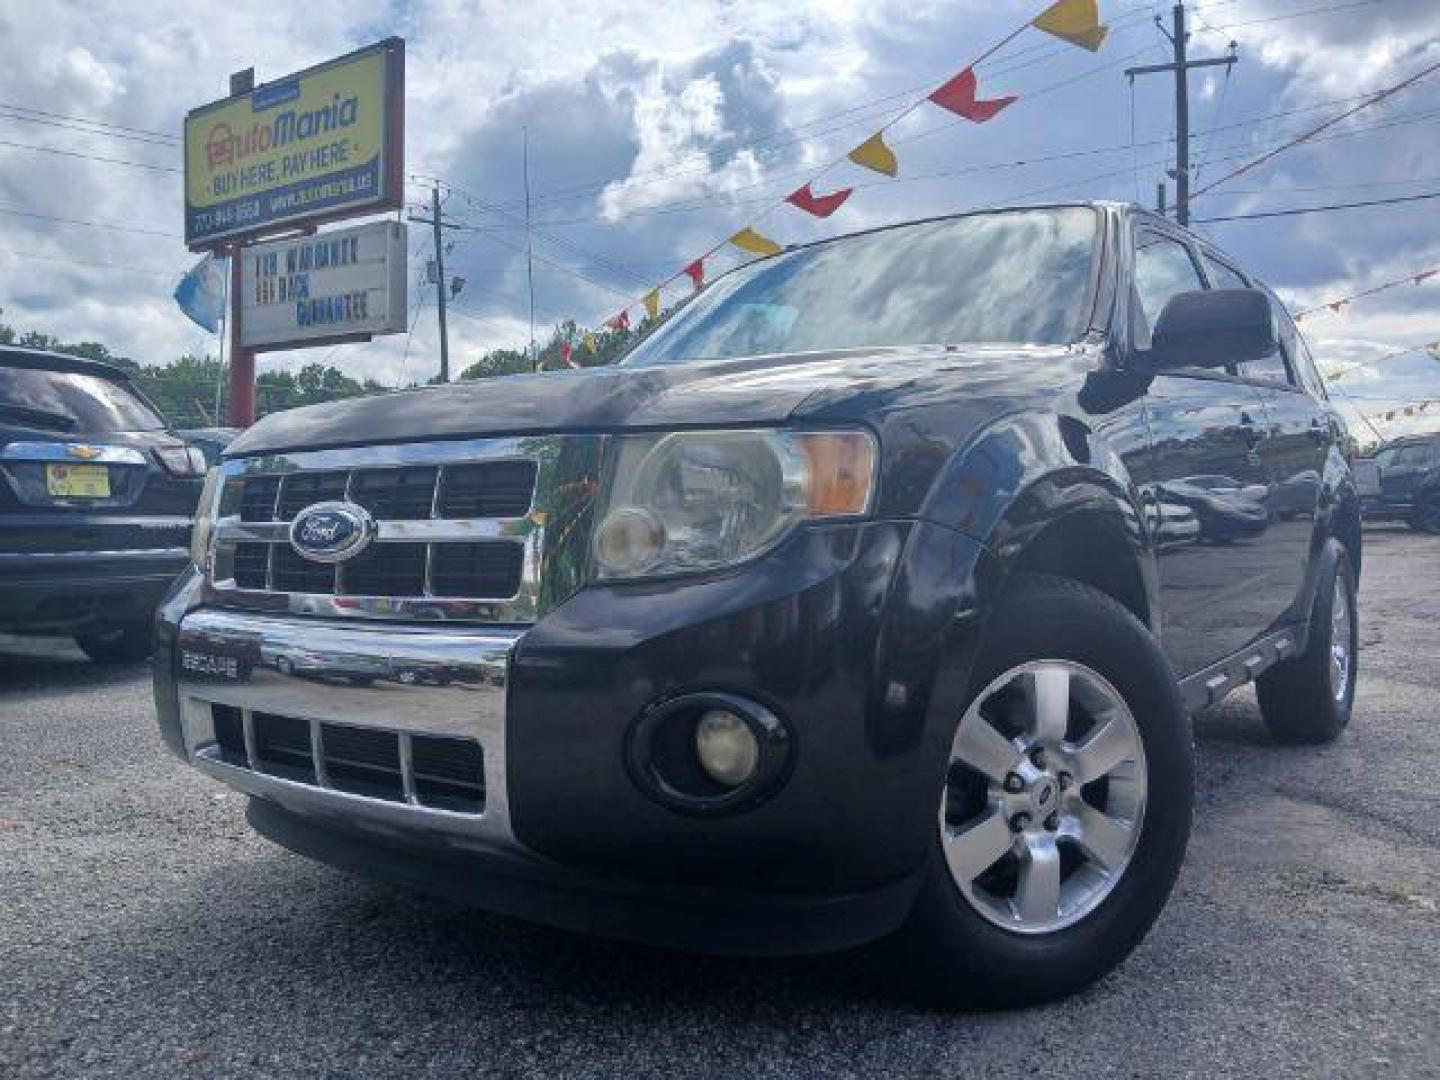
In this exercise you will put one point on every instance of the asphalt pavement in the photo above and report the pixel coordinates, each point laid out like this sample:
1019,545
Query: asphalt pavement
145,931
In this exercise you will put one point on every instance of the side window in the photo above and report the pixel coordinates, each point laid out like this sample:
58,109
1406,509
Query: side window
1221,276
1273,368
1163,267
1414,454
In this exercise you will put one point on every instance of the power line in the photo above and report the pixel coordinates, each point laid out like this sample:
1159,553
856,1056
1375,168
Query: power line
1294,211
1374,99
118,130
89,157
88,224
83,262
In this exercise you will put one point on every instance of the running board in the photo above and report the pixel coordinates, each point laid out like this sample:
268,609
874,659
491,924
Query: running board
1209,685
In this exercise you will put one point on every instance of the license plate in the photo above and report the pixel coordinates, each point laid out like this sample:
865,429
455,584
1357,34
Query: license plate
78,481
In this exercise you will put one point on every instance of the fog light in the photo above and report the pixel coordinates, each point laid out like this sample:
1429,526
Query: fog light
726,747
629,541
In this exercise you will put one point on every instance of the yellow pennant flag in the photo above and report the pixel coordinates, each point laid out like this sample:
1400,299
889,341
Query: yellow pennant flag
588,341
874,154
652,303
1075,21
747,239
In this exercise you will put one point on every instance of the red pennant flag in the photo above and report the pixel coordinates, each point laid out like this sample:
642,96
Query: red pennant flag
619,322
958,95
822,206
696,270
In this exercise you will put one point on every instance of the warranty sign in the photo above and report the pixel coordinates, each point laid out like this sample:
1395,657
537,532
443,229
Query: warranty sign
324,143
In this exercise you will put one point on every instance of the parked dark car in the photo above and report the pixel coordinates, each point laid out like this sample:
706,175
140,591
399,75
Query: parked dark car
96,503
847,607
1409,485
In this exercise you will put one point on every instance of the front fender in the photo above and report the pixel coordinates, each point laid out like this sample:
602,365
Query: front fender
1028,474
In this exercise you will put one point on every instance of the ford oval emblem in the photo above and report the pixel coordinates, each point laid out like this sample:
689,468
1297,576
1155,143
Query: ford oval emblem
331,532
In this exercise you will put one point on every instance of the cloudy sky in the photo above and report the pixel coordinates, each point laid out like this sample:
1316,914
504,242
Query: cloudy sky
655,130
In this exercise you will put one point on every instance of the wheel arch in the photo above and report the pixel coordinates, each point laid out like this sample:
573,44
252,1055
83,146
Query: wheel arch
1044,493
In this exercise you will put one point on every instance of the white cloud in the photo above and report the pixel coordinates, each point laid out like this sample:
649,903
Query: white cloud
655,130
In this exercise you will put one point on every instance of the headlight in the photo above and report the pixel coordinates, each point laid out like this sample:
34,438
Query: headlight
707,499
204,528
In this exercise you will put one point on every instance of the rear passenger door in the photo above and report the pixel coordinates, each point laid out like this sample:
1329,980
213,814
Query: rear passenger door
1205,424
1300,432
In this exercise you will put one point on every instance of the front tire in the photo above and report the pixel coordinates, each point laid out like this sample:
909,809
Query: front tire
128,643
1065,808
1308,698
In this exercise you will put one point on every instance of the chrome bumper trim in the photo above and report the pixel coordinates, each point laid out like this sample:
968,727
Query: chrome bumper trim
397,678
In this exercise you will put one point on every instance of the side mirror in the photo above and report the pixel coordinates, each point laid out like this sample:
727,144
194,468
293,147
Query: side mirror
1212,328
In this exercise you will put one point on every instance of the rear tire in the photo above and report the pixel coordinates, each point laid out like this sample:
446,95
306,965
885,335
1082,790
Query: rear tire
129,643
1308,699
972,945
1426,515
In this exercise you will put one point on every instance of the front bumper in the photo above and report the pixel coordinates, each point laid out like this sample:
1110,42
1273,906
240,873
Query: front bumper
841,631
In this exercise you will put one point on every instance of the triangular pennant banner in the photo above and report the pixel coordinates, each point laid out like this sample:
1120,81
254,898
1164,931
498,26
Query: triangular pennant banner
1075,21
1336,306
822,206
652,303
874,154
619,322
696,271
958,96
588,341
747,239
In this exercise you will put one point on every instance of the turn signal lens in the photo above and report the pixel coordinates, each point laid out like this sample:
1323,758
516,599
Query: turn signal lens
840,472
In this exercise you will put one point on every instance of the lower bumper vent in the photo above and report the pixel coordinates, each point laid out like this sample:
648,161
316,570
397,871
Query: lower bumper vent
438,771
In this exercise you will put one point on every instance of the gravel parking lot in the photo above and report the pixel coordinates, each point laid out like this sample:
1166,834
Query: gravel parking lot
145,931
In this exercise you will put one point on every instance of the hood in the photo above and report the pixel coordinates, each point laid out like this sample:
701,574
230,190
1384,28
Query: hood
848,384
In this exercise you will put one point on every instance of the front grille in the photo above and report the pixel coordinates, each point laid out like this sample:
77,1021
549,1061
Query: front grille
443,772
456,568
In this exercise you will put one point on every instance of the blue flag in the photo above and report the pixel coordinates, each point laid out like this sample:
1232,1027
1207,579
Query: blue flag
201,292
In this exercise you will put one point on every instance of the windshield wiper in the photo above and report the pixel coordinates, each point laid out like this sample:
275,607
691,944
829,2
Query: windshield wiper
41,418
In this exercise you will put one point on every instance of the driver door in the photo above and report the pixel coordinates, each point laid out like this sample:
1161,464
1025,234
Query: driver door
1204,423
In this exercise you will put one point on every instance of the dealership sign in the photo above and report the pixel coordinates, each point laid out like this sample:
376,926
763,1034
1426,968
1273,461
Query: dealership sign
336,284
321,144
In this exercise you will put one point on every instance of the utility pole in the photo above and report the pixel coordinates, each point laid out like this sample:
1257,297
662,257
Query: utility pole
438,225
441,286
1181,66
529,249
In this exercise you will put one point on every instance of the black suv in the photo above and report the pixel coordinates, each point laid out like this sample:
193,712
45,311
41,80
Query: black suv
96,503
1408,483
869,597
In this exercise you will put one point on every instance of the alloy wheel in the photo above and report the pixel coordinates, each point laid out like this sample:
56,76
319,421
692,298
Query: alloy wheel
1044,798
1340,634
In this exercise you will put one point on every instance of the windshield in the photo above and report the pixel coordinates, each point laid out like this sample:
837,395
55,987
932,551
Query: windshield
67,401
1015,276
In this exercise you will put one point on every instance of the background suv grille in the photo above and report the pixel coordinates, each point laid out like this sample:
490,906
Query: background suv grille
454,568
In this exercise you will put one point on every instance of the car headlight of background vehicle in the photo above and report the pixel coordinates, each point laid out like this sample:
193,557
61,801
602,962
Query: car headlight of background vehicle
204,529
702,500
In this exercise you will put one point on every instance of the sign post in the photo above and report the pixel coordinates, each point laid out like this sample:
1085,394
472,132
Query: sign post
320,145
